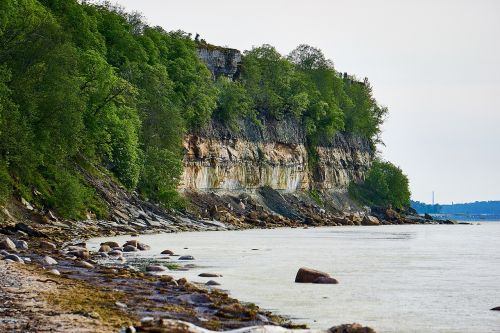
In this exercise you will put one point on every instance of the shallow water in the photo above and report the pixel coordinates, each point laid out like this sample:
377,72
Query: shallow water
412,278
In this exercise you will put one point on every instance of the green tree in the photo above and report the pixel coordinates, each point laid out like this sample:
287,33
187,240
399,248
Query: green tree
385,186
233,103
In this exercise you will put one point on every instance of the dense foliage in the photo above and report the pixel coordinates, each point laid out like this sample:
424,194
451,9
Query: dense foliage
306,86
385,186
90,85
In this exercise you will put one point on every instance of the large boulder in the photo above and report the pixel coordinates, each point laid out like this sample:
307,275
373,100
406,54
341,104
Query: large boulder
7,245
370,220
309,275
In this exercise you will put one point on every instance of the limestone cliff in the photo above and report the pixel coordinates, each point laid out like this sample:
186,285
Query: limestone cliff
274,155
221,61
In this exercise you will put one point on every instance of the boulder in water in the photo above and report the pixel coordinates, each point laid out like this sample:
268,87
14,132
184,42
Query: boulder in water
308,275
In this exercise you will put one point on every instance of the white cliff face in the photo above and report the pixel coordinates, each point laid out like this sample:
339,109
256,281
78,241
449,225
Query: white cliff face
236,164
239,164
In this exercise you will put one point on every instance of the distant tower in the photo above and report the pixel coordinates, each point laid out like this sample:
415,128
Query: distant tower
433,198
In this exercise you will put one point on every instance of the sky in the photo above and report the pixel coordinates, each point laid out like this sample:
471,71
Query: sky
434,63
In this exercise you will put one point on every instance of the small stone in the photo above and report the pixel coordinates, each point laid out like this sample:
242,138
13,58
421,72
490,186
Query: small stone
93,315
21,245
104,248
47,245
121,305
167,252
84,264
48,261
130,329
14,257
54,272
4,253
155,268
186,258
212,283
129,248
26,204
26,259
147,321
7,244
115,253
103,254
209,275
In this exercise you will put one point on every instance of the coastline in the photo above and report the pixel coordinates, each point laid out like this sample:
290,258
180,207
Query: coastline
144,295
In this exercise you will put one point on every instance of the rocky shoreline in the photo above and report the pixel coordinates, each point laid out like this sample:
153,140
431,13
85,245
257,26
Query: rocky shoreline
59,278
46,264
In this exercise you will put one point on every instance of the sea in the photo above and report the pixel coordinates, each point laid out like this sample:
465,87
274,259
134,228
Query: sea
393,278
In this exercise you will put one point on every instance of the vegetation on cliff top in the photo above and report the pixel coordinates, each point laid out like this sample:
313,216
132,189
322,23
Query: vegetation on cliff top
305,85
84,84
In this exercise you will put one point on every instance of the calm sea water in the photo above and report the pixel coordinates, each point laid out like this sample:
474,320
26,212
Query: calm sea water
413,278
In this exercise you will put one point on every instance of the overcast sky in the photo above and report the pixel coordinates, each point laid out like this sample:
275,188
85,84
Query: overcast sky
434,63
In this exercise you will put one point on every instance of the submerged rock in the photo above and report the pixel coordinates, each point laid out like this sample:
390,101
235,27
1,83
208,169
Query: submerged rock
155,268
212,283
143,247
129,248
210,275
308,275
351,328
186,258
115,253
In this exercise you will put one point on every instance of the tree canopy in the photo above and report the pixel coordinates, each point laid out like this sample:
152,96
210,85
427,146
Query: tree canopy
84,84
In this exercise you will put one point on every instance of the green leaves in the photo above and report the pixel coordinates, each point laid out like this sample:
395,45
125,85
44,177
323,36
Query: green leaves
233,103
385,186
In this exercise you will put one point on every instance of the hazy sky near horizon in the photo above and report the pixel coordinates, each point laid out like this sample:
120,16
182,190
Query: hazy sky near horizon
434,63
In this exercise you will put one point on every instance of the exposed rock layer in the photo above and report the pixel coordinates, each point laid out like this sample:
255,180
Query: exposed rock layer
273,155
